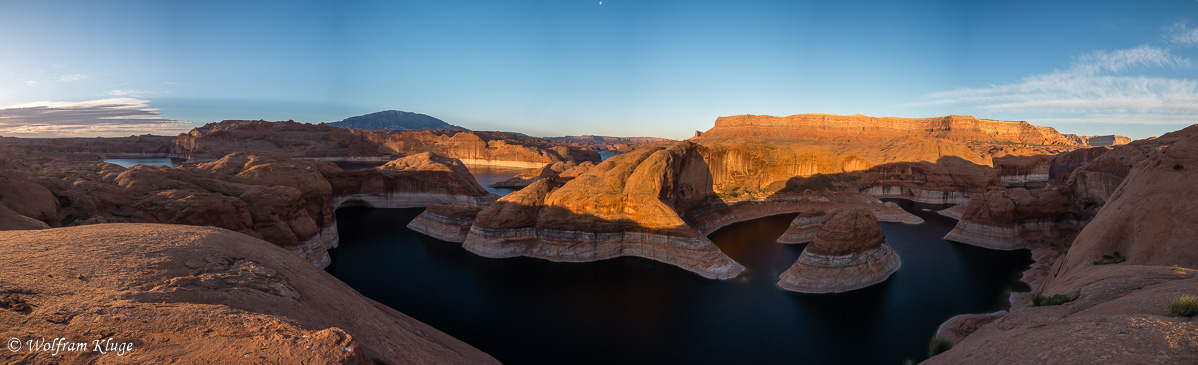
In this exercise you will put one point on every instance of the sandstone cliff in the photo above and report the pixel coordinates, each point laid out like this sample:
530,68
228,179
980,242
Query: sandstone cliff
196,295
830,126
1118,311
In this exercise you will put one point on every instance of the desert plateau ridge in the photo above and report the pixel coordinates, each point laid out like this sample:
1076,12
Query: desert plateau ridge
268,188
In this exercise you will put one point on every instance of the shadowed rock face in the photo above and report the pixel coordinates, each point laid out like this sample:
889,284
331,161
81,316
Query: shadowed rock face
1150,218
950,180
1024,171
1110,140
849,252
1081,183
197,295
134,146
847,232
1008,219
564,170
410,182
1120,311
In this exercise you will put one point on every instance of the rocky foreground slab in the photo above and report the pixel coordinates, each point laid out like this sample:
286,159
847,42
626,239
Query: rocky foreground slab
183,294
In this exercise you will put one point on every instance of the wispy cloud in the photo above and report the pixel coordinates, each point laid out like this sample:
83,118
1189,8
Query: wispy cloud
134,93
72,77
1121,60
1182,35
102,117
1097,87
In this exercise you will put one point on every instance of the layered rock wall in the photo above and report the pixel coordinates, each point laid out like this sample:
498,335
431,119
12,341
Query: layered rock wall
814,126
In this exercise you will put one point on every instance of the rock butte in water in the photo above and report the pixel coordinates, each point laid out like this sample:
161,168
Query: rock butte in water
803,228
849,252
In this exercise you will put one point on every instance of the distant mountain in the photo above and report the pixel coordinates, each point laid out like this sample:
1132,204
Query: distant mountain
395,119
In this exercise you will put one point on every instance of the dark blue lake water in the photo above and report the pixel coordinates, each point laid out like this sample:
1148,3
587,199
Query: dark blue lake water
130,162
633,310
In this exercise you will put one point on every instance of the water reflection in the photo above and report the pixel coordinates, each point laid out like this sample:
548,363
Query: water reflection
632,310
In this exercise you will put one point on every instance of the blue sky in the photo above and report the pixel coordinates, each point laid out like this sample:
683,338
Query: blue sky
565,67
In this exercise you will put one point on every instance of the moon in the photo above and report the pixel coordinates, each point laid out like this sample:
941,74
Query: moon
600,3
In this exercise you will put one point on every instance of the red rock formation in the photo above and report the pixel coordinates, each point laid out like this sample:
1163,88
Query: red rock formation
625,206
331,143
1015,218
413,181
196,295
1063,165
1091,184
815,126
849,252
1120,311
287,202
1149,218
24,204
1008,219
620,144
445,222
132,146
950,180
1024,171
565,170
1110,140
803,228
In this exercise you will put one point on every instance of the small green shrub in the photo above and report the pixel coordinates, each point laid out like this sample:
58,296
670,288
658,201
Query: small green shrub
1111,259
1178,269
1039,300
938,345
1184,306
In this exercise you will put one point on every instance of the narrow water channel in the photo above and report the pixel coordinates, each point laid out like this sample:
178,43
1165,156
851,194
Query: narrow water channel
633,310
